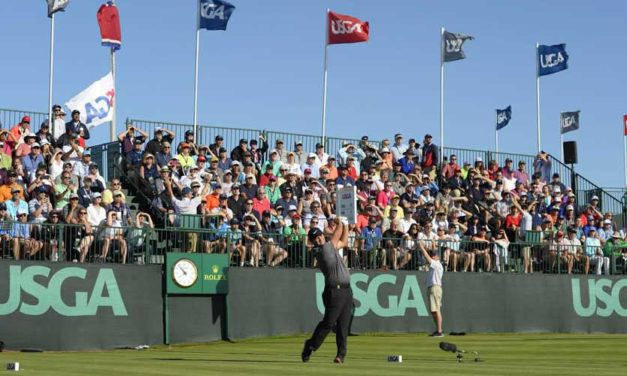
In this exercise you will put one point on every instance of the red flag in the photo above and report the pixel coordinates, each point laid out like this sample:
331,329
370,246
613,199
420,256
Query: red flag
346,29
109,22
625,124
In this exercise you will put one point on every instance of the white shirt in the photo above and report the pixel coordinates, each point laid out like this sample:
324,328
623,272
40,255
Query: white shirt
96,214
434,276
186,205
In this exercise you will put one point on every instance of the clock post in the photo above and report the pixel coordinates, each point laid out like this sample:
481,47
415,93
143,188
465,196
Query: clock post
195,274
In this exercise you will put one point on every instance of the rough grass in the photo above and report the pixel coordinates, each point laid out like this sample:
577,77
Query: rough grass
502,354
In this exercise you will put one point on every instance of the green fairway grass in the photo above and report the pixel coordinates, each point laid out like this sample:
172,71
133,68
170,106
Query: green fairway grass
502,354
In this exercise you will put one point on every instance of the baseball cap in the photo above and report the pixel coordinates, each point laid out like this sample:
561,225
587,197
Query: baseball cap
311,155
187,190
314,233
307,171
291,208
594,198
117,193
243,141
318,146
223,197
96,195
26,119
195,184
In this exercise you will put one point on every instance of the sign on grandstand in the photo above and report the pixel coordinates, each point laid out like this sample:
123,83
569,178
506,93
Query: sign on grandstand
346,203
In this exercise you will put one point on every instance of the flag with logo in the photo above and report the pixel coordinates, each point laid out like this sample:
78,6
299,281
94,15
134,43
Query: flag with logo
96,102
109,22
569,121
55,6
452,46
503,117
346,29
552,59
214,14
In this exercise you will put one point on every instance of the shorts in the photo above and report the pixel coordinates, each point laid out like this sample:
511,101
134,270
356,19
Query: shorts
435,298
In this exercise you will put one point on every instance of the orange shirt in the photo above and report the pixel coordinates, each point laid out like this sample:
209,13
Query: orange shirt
213,201
5,191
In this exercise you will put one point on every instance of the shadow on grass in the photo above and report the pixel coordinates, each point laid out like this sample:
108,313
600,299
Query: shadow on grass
224,360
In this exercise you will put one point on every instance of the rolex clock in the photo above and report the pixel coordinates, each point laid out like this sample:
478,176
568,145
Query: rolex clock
184,272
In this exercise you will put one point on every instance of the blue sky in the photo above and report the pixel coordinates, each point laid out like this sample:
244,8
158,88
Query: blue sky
266,70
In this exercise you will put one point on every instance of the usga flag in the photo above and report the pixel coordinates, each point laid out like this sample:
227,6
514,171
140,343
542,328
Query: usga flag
569,121
503,117
552,59
55,6
214,14
452,46
109,22
346,29
96,102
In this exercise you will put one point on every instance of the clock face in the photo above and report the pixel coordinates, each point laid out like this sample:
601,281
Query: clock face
184,273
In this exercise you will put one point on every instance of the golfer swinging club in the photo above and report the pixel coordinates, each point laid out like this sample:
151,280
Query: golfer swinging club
337,296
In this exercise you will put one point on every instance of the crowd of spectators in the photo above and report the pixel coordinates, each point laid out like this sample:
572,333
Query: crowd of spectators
262,199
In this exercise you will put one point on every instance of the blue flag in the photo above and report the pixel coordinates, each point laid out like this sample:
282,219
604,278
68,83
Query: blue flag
569,121
552,59
214,14
503,117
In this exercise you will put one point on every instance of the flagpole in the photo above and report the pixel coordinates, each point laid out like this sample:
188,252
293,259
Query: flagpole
196,73
50,120
561,146
538,97
116,98
441,95
324,80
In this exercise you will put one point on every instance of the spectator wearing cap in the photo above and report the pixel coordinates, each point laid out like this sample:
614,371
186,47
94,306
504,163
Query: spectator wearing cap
10,185
350,152
31,161
237,154
224,162
292,166
372,157
448,171
312,165
213,199
71,210
39,207
394,250
261,202
127,138
16,203
148,171
249,188
81,168
20,131
6,159
371,238
593,254
44,133
58,122
407,162
315,218
187,204
279,147
606,232
22,244
236,202
343,178
119,206
300,156
85,192
190,141
521,174
321,156
24,148
286,200
96,213
272,190
430,157
218,143
135,156
185,157
398,149
222,209
274,162
77,126
161,136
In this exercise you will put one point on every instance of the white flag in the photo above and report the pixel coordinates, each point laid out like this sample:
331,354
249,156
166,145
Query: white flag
96,102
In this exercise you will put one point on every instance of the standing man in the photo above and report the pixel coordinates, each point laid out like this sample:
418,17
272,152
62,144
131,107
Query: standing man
434,286
337,295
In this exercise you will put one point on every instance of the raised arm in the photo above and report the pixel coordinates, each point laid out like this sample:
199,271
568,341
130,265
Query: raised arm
339,239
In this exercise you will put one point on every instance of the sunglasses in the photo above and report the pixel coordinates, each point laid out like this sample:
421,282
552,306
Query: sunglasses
81,213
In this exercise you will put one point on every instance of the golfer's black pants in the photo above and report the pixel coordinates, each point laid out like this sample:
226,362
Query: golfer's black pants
338,303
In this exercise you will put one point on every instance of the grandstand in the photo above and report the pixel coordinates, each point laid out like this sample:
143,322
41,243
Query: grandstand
163,226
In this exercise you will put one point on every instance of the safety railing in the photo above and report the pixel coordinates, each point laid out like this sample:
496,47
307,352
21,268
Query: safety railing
291,249
9,118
